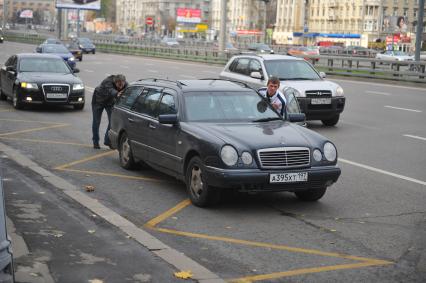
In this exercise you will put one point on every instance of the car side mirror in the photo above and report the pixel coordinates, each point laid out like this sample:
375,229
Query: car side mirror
10,69
256,75
76,70
170,119
296,117
322,75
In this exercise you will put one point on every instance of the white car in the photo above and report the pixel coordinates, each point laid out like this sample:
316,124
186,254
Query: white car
394,56
318,98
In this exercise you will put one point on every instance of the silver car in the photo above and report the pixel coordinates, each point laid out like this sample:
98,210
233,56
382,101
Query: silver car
318,98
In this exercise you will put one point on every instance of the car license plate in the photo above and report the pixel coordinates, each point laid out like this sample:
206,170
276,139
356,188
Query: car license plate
56,95
321,101
288,177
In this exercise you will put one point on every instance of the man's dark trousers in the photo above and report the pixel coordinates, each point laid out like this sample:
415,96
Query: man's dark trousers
97,116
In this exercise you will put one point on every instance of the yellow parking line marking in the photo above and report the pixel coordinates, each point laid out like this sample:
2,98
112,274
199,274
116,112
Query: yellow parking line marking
63,166
160,218
304,271
7,110
364,261
30,121
47,141
33,130
111,175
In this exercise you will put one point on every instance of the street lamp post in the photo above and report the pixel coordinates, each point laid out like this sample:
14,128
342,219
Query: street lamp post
419,29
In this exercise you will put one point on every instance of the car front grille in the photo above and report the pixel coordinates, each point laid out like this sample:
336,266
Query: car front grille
318,93
284,157
56,92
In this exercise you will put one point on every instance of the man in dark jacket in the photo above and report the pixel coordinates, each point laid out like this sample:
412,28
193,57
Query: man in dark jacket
103,98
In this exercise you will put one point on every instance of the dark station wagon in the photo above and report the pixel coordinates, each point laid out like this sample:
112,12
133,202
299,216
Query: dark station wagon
218,134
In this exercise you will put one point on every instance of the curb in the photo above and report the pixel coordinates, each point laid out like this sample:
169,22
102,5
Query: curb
158,248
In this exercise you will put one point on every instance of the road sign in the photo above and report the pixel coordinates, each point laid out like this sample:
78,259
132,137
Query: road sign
149,21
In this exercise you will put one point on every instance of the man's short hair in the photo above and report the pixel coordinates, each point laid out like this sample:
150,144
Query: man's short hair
273,80
119,78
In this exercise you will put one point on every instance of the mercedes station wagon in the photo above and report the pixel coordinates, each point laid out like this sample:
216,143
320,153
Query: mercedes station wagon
218,135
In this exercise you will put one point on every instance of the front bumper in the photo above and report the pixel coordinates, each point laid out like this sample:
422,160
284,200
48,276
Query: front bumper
256,180
321,111
38,97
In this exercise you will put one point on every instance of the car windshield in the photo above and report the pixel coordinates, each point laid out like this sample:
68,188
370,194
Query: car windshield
48,65
227,107
55,48
84,40
399,53
263,46
291,70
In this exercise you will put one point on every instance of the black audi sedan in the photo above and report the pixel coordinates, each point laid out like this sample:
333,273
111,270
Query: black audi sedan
31,78
216,135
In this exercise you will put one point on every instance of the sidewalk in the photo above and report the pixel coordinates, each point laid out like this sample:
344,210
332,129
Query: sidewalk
59,240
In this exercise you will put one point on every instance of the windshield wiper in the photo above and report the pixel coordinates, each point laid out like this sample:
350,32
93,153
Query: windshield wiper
267,119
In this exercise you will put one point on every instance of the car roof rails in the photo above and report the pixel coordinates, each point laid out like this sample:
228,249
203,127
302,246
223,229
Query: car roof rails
178,83
228,80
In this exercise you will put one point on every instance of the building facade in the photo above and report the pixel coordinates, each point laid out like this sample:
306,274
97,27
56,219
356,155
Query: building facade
44,11
349,22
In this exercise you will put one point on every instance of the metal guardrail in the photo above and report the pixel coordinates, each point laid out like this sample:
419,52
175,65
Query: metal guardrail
334,65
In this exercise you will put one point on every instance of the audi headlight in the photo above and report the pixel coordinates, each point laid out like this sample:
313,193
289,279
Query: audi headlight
71,59
229,155
292,91
339,91
317,155
78,87
330,151
81,46
29,85
246,158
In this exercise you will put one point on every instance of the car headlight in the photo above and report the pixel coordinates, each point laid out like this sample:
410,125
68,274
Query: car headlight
292,91
330,151
339,91
78,87
29,85
246,158
229,155
71,59
81,46
317,155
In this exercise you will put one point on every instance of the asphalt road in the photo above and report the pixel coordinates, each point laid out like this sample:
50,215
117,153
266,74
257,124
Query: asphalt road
369,227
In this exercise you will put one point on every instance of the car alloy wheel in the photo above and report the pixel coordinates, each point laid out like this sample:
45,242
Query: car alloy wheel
200,193
125,153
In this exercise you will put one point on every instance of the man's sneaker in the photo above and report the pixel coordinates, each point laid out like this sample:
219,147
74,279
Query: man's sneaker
96,146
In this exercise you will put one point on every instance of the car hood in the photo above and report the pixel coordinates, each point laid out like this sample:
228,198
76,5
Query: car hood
63,55
252,136
87,45
49,78
304,85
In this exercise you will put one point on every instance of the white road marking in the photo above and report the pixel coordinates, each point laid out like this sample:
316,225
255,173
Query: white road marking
89,71
89,88
406,109
124,67
148,64
210,72
402,177
188,77
415,137
153,71
377,92
373,83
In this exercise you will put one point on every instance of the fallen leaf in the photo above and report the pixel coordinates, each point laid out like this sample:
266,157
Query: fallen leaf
42,193
58,235
183,274
332,230
174,218
91,231
89,188
34,274
87,175
361,222
95,281
228,227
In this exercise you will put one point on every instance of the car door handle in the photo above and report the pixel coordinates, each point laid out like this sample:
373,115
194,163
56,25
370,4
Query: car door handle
130,120
151,126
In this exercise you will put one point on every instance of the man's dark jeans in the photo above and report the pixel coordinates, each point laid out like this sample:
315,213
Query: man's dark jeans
97,116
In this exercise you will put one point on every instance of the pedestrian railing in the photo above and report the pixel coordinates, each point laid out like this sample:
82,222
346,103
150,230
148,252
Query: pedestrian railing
413,71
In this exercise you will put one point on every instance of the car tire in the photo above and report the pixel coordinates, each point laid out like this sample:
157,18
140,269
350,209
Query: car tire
311,194
200,193
94,51
80,59
17,104
331,121
2,95
125,153
78,106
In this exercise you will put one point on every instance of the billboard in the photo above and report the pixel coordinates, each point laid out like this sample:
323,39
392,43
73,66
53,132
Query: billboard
187,15
395,24
28,14
79,4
